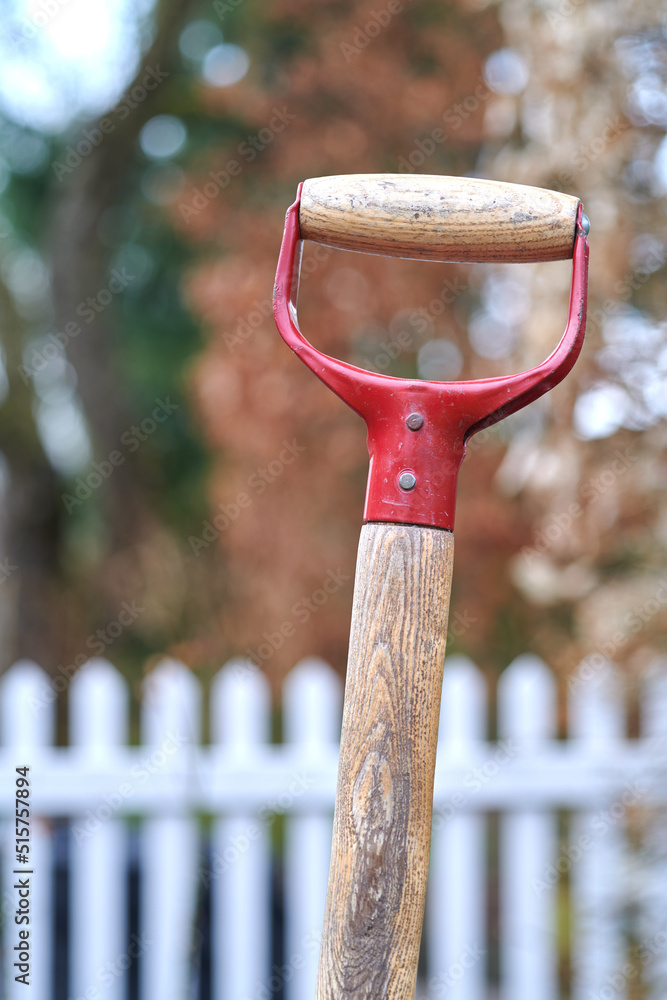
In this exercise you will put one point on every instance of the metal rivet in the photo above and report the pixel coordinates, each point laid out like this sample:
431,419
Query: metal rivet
415,421
585,223
407,481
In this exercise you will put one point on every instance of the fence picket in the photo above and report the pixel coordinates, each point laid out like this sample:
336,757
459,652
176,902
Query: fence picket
240,870
27,722
244,781
98,706
456,898
312,702
528,954
653,918
596,856
171,731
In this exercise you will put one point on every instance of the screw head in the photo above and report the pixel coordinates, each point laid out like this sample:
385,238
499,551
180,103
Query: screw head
585,223
407,481
415,421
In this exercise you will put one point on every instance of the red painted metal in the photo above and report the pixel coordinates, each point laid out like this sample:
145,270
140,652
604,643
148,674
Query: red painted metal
452,411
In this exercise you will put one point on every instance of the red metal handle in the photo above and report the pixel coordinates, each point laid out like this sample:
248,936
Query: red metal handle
413,472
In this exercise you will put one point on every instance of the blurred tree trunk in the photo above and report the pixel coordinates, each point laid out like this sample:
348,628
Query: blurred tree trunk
47,609
80,264
31,510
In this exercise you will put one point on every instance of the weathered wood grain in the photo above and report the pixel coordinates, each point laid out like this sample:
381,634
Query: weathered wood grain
384,798
431,217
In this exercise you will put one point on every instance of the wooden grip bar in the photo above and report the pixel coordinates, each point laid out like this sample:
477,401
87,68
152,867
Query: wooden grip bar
431,217
384,798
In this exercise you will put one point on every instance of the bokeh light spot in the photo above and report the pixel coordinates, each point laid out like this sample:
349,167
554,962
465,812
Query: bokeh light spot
506,72
225,65
163,137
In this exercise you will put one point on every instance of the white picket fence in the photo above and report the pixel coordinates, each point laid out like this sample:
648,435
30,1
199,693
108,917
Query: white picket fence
612,786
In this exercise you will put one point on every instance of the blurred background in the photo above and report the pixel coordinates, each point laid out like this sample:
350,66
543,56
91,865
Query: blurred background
149,152
173,481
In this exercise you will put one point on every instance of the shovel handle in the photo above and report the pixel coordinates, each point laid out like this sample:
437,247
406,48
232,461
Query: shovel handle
384,798
431,217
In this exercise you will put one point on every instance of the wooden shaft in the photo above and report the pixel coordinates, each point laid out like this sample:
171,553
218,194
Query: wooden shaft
431,217
384,798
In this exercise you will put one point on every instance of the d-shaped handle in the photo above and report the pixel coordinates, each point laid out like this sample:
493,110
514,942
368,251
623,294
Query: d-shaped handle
413,470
